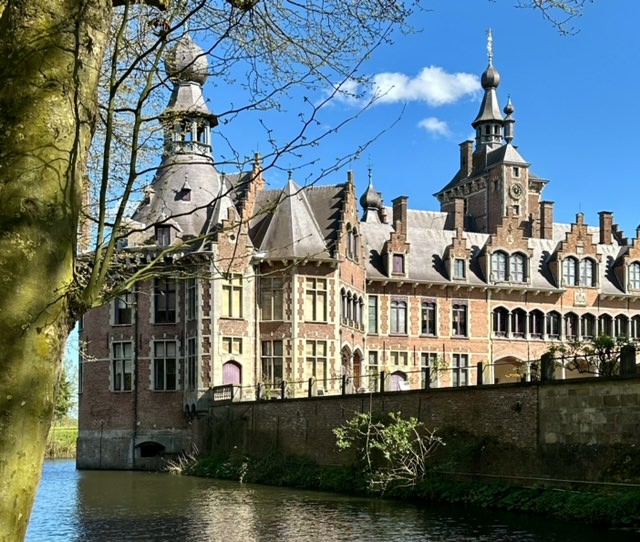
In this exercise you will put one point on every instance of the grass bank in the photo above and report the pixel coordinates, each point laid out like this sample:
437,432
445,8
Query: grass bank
61,443
619,508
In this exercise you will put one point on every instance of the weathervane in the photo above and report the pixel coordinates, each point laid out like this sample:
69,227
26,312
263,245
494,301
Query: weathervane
490,46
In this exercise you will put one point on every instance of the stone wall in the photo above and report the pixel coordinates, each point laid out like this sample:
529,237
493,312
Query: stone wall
542,428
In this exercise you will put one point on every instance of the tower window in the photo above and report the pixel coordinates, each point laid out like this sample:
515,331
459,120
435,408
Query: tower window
516,171
163,236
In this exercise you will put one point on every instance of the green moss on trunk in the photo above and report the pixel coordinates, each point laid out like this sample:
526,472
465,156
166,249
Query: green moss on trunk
50,52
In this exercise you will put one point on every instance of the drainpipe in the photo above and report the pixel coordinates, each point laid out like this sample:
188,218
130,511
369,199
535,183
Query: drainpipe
135,379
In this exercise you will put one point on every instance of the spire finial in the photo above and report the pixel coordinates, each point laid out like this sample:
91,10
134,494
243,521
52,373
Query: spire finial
370,170
490,46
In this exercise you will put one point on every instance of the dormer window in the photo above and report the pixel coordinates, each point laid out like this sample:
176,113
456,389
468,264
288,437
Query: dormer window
499,266
163,236
569,271
459,269
512,268
634,276
578,273
398,264
587,272
517,268
185,192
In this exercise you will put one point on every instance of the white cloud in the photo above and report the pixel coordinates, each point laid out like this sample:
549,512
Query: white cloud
349,91
432,85
435,126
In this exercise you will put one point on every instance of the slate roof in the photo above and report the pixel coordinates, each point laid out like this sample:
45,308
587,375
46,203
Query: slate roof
506,153
296,222
168,201
429,238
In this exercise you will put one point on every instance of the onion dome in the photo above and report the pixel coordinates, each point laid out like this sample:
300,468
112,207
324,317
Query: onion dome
186,62
509,109
371,199
490,78
509,121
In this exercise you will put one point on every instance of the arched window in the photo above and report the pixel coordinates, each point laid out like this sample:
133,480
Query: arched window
605,325
499,266
569,271
634,276
635,327
587,326
571,325
587,272
518,323
500,322
536,324
621,326
517,268
553,325
343,297
398,317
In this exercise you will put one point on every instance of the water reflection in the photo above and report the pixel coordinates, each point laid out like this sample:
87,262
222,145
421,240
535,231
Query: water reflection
115,506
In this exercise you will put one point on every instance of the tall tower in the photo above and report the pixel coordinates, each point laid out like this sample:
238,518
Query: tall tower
489,121
493,180
186,181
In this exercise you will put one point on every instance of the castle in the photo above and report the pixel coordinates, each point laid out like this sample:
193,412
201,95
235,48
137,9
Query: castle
302,286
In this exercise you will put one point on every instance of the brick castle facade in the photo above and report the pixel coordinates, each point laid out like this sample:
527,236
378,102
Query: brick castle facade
303,285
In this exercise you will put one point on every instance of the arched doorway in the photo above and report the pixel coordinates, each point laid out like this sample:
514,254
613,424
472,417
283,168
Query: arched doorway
346,368
508,369
357,370
232,373
399,381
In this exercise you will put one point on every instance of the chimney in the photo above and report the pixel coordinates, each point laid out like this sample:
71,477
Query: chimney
400,214
546,220
466,157
606,223
458,214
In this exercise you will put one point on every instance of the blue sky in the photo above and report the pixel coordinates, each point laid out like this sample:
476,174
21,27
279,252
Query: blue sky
576,97
577,101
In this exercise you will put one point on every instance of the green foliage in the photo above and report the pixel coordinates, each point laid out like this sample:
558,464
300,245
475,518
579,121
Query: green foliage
593,508
280,471
600,355
391,451
64,397
61,442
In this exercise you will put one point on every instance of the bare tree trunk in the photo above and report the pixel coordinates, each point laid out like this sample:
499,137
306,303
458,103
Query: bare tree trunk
50,53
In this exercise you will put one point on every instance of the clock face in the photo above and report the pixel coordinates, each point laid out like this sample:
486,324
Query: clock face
516,191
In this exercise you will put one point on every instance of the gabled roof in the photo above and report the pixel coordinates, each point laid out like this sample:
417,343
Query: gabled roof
292,231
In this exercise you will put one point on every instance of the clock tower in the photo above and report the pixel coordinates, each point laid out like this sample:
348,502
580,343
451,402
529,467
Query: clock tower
494,179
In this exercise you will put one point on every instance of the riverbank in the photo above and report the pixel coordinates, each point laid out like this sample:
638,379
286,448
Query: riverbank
61,442
618,507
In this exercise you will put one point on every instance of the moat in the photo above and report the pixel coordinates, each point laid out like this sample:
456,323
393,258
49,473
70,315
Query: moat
119,505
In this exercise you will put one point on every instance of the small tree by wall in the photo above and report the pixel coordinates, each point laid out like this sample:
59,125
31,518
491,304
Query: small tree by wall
391,450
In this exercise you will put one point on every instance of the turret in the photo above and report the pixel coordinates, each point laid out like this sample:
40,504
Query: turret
489,121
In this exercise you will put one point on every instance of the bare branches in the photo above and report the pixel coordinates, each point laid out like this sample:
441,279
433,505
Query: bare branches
560,13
